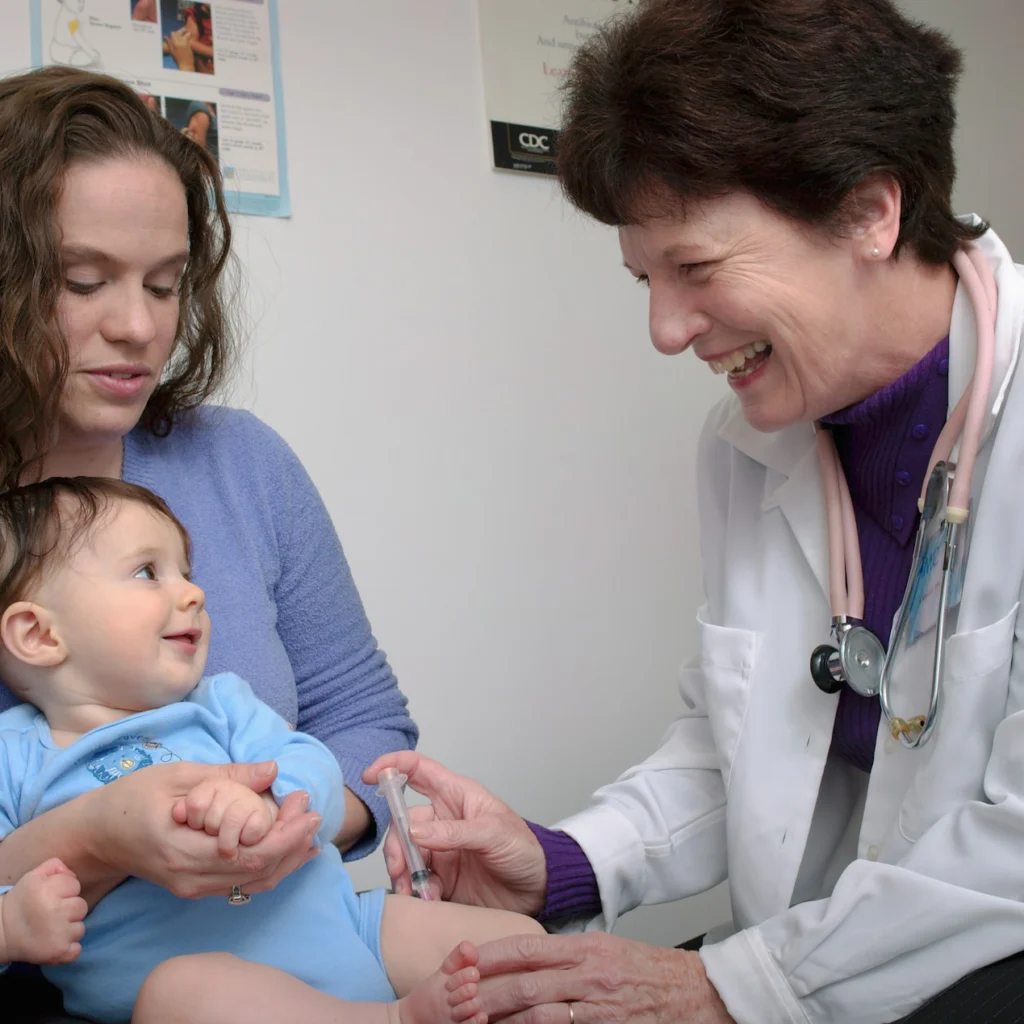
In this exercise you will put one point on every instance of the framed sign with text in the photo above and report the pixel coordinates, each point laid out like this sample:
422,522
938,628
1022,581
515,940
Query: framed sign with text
526,47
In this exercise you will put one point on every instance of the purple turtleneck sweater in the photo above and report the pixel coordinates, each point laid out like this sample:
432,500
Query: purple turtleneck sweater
884,444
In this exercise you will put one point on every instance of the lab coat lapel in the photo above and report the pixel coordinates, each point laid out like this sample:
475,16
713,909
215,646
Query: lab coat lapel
801,499
793,483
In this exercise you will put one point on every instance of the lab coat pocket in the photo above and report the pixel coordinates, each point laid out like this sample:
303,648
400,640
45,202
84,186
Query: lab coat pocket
727,659
973,703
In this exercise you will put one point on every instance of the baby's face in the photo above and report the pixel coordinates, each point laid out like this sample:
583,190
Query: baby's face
134,625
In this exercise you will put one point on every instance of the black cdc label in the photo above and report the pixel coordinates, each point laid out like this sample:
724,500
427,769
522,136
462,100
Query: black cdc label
521,147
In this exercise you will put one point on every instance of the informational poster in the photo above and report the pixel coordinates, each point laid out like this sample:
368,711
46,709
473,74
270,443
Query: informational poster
526,47
212,69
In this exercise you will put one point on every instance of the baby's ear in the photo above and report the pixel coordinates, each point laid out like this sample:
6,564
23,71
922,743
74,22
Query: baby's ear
28,632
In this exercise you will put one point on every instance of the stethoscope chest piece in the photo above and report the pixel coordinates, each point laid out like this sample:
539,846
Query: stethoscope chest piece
858,660
862,657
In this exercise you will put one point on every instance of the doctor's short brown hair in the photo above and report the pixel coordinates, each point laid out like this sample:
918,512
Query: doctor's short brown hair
795,102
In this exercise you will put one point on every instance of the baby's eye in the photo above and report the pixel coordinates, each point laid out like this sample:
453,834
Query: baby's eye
146,572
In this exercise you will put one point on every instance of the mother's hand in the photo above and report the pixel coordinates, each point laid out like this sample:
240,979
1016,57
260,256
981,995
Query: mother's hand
606,979
134,832
478,849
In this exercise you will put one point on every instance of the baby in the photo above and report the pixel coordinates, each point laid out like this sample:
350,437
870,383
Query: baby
104,635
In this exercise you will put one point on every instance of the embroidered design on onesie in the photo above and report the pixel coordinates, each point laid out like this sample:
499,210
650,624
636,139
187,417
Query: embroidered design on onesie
135,753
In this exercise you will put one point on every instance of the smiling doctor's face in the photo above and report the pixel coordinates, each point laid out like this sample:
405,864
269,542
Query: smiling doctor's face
782,309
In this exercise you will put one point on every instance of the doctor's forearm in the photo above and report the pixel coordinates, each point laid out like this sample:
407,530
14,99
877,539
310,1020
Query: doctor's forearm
571,890
831,959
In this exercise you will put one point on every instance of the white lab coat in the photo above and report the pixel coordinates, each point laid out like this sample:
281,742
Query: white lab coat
858,905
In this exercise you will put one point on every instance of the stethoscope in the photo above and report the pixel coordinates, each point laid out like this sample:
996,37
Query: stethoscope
858,657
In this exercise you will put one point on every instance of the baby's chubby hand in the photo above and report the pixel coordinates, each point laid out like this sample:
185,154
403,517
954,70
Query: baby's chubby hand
41,917
228,810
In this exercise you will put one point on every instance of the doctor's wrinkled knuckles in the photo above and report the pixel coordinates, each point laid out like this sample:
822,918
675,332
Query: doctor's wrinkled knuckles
850,754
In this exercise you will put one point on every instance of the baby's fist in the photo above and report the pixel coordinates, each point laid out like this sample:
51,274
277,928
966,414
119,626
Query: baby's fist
42,916
224,808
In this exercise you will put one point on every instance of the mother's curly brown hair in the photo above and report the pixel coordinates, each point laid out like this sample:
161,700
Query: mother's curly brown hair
50,119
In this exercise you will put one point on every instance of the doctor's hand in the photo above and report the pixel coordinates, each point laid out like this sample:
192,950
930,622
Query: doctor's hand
479,851
529,979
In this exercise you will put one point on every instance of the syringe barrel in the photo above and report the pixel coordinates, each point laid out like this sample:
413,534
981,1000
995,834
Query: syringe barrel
391,782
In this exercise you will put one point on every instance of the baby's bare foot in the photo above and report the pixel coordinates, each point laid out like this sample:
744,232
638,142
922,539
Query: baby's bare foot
463,984
450,994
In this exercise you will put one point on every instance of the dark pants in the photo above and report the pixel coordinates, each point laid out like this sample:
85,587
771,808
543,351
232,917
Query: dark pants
29,999
991,995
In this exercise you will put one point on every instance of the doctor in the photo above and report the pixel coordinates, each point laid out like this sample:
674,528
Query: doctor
780,177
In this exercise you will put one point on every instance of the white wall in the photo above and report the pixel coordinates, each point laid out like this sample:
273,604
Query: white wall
990,133
464,367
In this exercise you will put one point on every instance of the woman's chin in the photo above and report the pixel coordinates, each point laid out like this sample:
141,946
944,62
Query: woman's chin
767,418
99,424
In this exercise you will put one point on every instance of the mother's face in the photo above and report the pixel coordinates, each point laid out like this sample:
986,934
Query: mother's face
780,308
124,243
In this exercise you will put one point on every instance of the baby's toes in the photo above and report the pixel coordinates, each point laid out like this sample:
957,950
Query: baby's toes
465,954
468,1013
464,993
468,975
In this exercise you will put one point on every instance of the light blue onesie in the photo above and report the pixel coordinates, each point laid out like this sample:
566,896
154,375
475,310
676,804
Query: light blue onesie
312,925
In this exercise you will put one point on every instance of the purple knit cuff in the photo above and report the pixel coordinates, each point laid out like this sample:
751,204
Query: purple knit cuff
572,885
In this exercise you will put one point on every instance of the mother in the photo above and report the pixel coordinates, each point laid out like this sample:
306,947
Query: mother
780,174
113,333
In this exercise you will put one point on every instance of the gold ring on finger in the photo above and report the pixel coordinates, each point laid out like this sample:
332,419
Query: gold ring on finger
237,897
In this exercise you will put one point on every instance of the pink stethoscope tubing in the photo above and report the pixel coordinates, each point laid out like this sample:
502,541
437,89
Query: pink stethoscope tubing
846,577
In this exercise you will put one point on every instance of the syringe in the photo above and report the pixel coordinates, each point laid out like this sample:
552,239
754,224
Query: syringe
390,783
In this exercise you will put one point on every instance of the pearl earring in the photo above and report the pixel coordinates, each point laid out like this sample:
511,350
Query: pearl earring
876,252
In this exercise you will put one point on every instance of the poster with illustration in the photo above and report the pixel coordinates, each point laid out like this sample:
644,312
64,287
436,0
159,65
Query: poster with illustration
212,69
526,46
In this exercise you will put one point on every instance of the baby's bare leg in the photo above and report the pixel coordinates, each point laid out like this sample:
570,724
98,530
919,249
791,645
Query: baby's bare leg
218,988
416,935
